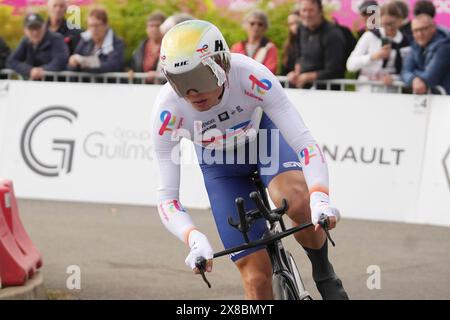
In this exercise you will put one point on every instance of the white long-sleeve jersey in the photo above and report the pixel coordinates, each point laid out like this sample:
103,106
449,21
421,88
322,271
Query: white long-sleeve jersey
250,87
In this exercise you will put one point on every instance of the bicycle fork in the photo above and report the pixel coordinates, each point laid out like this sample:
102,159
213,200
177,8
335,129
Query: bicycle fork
281,265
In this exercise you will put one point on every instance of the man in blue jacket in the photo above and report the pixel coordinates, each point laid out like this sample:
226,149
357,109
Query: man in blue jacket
40,50
428,64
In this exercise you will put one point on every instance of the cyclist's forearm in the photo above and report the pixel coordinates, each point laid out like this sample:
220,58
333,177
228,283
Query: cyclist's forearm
175,219
315,169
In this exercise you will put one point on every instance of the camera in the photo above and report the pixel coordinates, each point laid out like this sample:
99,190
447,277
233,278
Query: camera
385,41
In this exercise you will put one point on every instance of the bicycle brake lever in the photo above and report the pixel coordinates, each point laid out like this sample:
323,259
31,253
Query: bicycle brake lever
200,264
256,197
283,209
204,279
277,213
324,223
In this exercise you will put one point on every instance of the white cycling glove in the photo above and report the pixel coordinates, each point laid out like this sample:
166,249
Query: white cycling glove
320,203
200,247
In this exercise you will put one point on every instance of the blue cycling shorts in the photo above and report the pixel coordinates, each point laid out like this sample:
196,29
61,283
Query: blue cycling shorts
227,180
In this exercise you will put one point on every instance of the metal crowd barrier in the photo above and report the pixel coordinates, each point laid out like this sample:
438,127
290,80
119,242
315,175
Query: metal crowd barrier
141,78
9,74
353,84
343,84
396,86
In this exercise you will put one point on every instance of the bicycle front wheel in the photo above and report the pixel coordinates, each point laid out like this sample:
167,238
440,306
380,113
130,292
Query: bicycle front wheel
283,289
304,295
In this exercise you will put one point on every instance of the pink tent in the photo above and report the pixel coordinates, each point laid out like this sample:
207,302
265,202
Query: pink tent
346,11
19,4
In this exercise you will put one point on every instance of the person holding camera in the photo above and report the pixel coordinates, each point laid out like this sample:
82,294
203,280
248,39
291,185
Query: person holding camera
379,53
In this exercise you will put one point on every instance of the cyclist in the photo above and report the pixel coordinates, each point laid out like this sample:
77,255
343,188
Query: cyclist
230,105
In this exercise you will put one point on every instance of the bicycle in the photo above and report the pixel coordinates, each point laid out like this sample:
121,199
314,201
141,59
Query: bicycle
287,282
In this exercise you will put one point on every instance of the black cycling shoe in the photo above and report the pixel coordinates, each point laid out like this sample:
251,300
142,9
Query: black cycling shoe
332,289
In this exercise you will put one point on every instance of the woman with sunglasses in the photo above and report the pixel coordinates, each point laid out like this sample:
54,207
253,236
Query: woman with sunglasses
257,46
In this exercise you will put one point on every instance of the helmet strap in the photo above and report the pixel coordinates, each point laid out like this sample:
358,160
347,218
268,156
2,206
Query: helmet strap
223,91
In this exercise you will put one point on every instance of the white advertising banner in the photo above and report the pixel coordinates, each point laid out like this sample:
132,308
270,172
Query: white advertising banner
91,143
373,144
434,198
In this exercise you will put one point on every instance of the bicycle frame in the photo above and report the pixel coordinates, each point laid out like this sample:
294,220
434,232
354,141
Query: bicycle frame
275,250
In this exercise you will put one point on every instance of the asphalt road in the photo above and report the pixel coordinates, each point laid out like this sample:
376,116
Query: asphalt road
124,252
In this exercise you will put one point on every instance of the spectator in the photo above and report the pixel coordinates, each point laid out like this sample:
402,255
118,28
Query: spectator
428,64
350,40
290,46
40,50
405,27
257,45
146,57
4,53
57,23
366,9
321,47
379,53
99,50
425,7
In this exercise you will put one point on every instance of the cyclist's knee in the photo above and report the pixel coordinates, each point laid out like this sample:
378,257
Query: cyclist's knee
256,273
291,186
298,200
258,282
299,209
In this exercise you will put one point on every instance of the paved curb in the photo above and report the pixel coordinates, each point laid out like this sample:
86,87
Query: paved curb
33,289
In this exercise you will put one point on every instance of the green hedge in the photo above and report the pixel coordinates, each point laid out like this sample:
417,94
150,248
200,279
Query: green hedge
10,26
128,18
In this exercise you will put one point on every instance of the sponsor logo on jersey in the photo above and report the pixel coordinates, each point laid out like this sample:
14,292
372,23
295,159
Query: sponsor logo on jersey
237,130
252,95
261,86
169,122
208,125
292,164
174,207
310,152
223,116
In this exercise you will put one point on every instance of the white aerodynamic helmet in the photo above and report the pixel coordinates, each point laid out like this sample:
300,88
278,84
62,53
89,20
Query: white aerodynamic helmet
195,56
